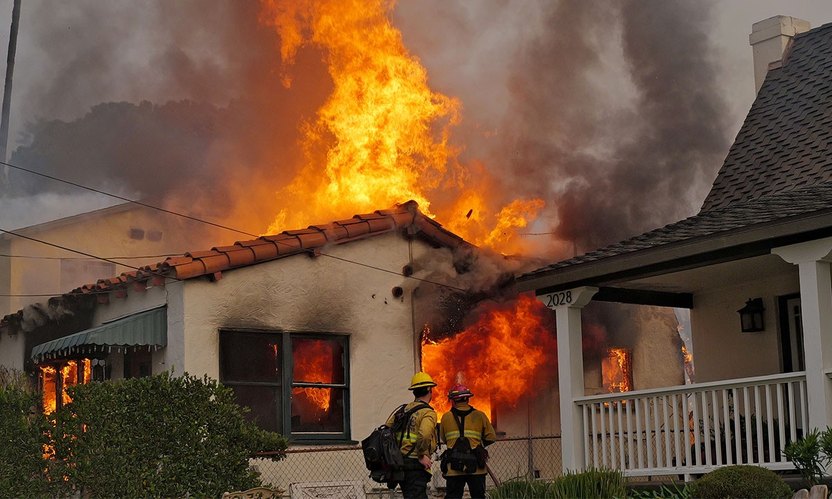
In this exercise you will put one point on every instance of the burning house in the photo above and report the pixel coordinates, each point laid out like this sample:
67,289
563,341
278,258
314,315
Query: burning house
753,269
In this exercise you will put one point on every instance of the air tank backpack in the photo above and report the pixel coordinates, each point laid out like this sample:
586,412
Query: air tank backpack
382,450
460,457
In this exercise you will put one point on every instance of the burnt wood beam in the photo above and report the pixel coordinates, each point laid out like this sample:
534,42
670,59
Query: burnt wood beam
644,297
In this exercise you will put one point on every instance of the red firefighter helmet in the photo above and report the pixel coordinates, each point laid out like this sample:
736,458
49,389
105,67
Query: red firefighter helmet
459,392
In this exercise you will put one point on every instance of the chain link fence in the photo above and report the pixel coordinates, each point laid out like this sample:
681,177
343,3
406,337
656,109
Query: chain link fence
510,457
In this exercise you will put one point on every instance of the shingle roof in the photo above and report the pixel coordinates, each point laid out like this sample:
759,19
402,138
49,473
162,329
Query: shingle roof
291,242
786,140
740,215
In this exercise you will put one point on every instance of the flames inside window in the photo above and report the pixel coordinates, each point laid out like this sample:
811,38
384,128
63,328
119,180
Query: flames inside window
295,384
617,370
55,379
317,385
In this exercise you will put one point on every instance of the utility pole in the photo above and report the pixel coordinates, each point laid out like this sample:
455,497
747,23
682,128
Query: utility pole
7,90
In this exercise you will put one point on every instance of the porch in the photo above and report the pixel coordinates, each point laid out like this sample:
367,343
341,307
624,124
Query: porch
693,429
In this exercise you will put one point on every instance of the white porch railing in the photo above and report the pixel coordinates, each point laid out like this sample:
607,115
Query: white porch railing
696,428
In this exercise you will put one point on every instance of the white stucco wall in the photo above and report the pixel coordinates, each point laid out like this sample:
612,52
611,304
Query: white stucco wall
721,350
315,295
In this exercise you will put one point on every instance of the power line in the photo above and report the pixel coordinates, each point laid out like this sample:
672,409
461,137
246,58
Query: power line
170,212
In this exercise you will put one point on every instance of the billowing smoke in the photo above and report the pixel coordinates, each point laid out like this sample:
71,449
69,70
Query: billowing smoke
172,103
609,112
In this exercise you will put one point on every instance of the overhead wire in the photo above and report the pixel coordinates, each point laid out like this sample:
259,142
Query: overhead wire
189,217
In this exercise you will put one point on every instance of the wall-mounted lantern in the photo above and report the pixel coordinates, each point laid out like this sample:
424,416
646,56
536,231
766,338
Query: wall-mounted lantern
751,316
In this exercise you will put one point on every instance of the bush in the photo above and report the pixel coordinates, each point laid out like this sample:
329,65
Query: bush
23,433
811,455
159,436
740,482
590,483
520,488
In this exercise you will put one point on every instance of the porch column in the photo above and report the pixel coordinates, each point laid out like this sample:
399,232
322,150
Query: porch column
567,306
813,261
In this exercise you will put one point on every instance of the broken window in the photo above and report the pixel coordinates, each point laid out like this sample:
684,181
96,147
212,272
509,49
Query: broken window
294,384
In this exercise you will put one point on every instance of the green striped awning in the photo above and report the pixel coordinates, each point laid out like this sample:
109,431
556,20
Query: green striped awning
148,329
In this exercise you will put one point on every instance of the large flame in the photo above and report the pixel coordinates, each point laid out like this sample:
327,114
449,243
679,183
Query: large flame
508,353
314,363
383,136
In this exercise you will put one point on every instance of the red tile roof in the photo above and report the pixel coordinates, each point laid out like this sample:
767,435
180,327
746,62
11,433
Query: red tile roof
402,217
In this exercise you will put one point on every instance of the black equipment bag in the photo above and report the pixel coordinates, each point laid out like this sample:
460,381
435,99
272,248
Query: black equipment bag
382,450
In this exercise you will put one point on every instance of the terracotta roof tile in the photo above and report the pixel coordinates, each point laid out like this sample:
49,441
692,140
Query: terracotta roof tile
291,242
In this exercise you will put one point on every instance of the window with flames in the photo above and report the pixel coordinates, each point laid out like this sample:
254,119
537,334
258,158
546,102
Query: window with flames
617,370
294,384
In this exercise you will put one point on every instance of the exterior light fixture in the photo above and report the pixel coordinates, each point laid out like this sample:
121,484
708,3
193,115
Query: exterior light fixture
751,316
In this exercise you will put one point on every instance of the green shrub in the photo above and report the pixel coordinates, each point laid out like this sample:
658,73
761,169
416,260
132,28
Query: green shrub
159,436
590,483
740,482
521,488
807,457
23,433
672,491
585,484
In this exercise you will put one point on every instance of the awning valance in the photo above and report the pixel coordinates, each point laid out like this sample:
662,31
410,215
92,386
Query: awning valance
148,328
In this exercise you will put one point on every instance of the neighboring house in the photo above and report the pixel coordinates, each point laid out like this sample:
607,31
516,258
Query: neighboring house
128,235
761,246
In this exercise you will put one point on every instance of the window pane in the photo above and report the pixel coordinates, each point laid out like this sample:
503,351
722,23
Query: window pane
250,357
318,410
264,402
318,361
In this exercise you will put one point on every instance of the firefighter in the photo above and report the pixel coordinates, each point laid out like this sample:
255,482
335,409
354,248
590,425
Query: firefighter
465,459
418,438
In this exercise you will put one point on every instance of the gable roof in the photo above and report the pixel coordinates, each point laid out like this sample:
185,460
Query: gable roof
786,139
402,217
775,185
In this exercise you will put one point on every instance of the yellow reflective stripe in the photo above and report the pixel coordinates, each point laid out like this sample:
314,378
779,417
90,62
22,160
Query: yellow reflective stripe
452,434
472,434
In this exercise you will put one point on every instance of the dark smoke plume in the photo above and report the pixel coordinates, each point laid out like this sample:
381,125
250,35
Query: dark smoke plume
613,171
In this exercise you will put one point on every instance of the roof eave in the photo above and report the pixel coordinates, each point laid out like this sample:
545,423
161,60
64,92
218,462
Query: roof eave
690,253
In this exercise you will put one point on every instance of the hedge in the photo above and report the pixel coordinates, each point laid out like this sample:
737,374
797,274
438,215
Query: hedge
159,436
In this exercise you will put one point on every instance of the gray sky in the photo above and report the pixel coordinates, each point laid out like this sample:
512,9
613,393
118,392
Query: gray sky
496,56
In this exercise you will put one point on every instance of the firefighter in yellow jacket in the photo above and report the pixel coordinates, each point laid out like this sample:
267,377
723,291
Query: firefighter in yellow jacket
467,432
418,438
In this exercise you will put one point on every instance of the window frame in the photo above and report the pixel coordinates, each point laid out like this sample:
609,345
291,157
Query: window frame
286,384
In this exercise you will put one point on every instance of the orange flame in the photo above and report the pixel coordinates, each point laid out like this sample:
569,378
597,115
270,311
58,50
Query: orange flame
617,370
68,376
508,353
383,136
314,363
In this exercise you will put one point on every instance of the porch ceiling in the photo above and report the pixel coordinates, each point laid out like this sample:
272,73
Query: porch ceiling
693,281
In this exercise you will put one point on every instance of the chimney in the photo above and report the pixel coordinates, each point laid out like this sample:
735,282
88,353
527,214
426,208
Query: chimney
769,40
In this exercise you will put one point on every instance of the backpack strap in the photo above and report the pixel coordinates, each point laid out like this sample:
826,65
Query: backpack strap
407,415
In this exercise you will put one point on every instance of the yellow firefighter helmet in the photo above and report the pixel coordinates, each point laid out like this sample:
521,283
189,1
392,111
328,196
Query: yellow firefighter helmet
421,380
